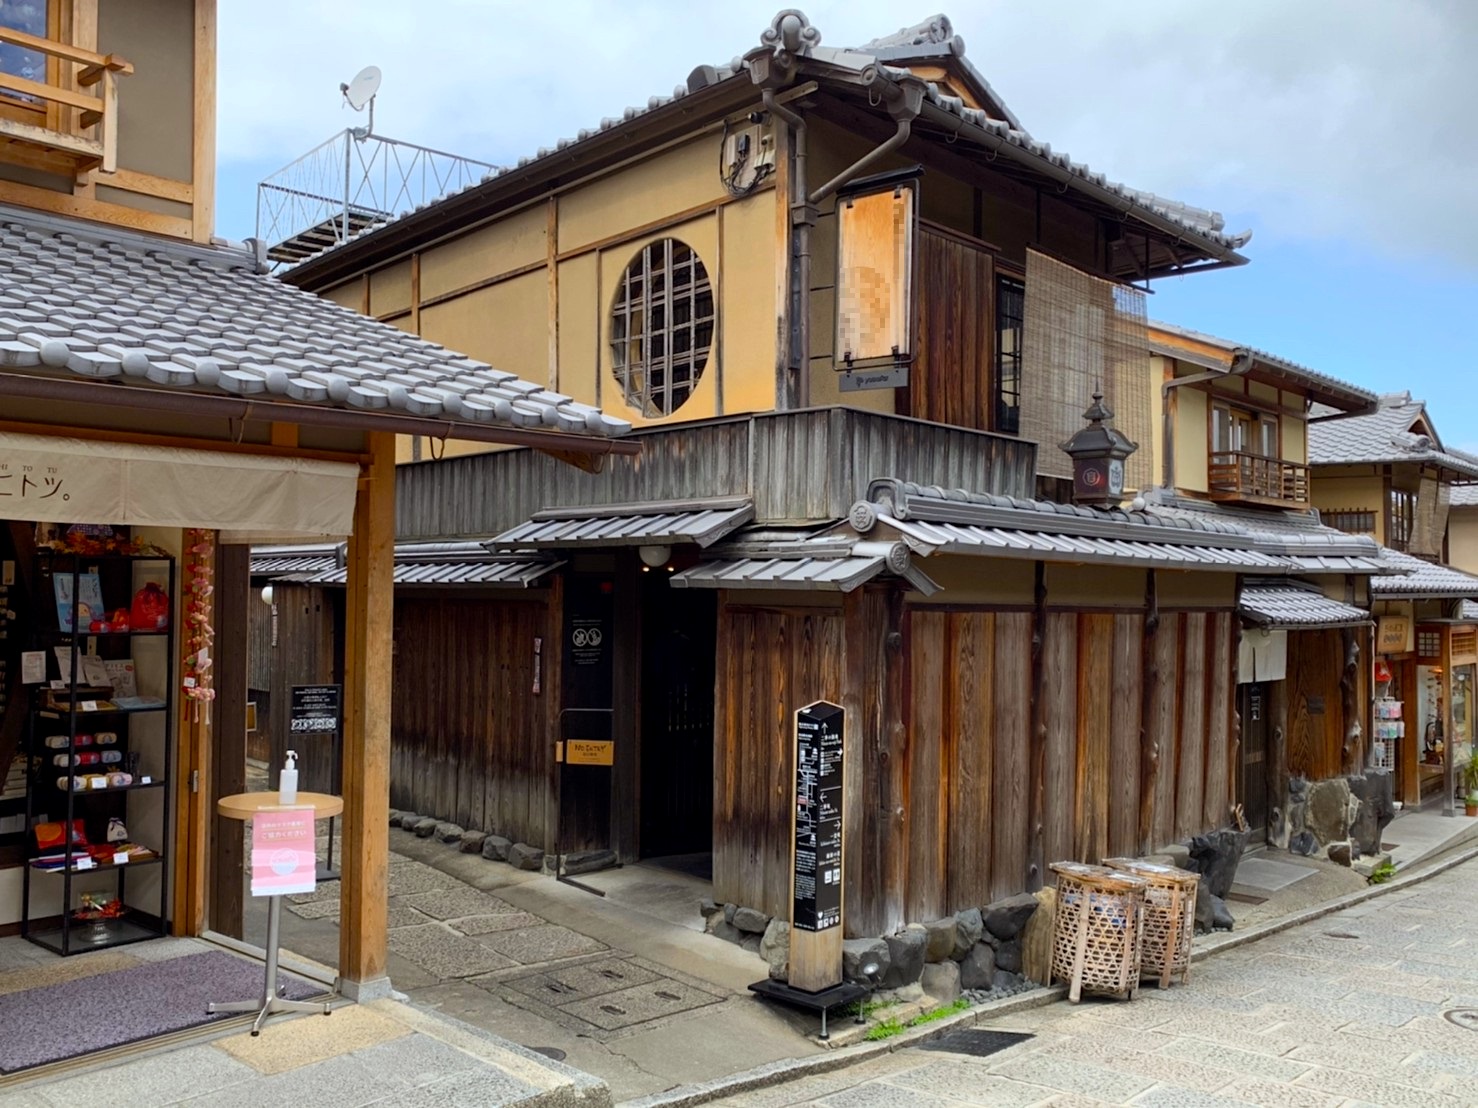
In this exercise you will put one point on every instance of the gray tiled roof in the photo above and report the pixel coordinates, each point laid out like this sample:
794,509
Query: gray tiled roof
824,574
932,519
1294,604
699,522
1197,222
1356,394
462,562
1422,579
1383,437
90,302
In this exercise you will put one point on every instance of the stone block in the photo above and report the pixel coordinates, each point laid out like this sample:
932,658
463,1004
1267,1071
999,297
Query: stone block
941,939
425,827
1005,918
722,929
1036,938
1367,864
1005,981
904,994
749,941
751,920
710,911
858,954
1008,956
395,814
906,952
1375,789
941,980
775,949
1327,813
969,926
978,968
729,910
1179,855
448,832
1339,853
588,861
471,842
495,848
524,856
1215,856
1303,844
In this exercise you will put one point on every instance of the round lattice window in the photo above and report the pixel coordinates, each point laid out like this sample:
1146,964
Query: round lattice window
661,327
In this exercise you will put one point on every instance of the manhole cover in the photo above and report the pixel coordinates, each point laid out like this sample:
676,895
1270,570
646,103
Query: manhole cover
553,1053
975,1042
1466,1018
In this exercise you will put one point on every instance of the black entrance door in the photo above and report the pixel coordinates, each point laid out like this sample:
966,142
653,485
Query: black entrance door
1253,708
679,638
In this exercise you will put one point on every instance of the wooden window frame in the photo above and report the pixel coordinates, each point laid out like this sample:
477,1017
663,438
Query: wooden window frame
637,319
1254,413
1000,422
40,114
1400,507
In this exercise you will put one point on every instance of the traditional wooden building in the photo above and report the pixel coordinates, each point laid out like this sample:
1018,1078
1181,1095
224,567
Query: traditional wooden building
161,393
853,308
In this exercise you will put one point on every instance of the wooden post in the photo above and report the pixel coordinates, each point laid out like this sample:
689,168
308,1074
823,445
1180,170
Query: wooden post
1350,745
1036,854
228,764
1149,759
203,139
193,811
369,605
1449,767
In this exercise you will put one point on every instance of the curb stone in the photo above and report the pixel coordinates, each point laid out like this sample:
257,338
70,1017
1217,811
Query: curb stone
838,1058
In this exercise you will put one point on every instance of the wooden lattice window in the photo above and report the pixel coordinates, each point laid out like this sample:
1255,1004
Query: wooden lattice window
1352,521
662,327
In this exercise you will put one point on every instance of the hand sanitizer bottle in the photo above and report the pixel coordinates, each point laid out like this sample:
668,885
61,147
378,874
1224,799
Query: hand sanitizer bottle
287,780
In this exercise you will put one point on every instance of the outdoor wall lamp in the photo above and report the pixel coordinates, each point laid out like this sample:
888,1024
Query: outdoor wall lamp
654,556
266,594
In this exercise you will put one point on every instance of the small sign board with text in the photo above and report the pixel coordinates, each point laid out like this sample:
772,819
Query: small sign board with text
283,859
315,709
816,878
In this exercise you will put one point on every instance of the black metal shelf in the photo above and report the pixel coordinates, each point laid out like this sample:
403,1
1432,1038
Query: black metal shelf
132,927
154,858
63,713
110,788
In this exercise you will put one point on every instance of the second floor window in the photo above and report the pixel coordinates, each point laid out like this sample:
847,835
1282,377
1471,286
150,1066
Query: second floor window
1010,327
1402,520
661,327
1238,431
29,16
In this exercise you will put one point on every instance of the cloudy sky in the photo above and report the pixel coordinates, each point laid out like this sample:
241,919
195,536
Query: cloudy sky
1344,133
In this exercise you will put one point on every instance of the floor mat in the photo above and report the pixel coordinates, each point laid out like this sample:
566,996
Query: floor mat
106,1010
976,1042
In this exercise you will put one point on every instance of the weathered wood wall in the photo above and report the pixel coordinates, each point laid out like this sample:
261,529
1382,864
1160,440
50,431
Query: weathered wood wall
470,737
770,662
306,654
1316,716
839,450
1135,726
953,371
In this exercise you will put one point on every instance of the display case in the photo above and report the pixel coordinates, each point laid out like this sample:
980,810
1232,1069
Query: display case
97,801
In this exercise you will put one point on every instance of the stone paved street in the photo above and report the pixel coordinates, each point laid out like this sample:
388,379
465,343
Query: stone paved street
1363,1007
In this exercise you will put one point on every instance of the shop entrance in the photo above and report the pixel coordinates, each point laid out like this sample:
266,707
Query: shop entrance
1252,706
677,676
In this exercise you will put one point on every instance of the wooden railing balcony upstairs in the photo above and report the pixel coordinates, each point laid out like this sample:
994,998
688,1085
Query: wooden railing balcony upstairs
1237,476
57,125
799,467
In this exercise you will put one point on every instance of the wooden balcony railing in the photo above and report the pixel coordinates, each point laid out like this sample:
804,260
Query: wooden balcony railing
80,129
1237,475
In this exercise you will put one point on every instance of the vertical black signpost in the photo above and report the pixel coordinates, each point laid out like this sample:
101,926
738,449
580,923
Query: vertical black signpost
318,710
815,978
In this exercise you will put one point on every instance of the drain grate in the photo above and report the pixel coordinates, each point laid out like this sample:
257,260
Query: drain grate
975,1042
1466,1018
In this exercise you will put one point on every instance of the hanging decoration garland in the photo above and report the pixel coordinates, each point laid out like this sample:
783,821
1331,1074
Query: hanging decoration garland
200,552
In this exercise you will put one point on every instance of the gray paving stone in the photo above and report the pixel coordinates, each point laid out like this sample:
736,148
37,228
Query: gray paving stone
339,1081
879,1095
1359,1086
561,986
503,921
458,901
531,945
1171,1096
400,914
416,1059
1275,1094
411,877
968,1082
157,1079
319,909
445,953
639,1004
484,1088
1231,1058
1072,1077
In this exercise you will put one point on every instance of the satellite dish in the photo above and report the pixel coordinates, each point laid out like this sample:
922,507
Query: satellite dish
361,90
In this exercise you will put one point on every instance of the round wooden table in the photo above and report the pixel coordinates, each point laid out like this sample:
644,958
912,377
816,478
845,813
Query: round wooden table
244,806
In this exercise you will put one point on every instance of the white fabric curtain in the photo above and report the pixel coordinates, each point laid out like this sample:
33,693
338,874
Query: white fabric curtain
245,496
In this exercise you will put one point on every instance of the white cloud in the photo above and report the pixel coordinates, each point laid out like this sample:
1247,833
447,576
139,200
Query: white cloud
1334,119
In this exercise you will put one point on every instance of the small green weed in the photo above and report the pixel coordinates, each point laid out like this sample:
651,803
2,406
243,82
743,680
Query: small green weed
884,1029
865,1008
939,1013
1382,873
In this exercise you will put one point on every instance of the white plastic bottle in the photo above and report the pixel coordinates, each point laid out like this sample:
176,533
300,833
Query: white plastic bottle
287,781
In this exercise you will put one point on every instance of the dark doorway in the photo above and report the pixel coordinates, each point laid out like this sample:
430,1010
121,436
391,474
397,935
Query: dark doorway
679,638
1252,706
586,713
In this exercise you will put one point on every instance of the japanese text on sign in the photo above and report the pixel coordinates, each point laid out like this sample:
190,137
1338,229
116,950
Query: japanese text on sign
29,482
817,878
314,708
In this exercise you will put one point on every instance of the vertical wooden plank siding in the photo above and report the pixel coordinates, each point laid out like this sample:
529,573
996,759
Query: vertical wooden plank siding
1011,771
770,662
935,740
1124,736
1060,714
1095,697
1217,804
970,763
471,738
1315,715
1190,777
951,376
1164,722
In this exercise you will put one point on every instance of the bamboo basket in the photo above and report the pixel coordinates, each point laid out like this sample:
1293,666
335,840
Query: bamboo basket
1096,933
1169,922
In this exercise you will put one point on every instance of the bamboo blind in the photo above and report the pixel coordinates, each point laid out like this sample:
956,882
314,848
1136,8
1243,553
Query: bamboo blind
1083,334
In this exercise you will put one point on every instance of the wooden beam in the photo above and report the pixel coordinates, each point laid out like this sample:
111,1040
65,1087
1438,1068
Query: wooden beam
84,151
193,805
551,243
285,435
65,51
275,450
1036,853
203,143
53,93
147,184
368,643
62,203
